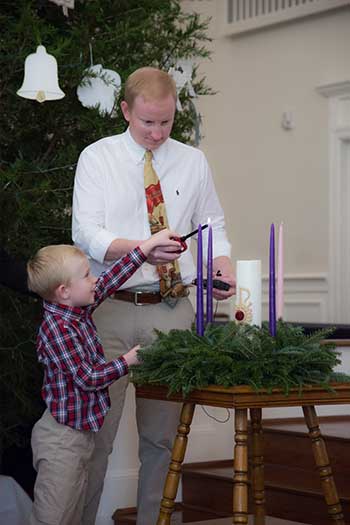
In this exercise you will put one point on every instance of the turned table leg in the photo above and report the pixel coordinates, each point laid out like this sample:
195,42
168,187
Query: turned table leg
257,467
323,465
178,453
240,477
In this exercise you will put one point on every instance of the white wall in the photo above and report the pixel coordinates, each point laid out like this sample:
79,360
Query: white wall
264,173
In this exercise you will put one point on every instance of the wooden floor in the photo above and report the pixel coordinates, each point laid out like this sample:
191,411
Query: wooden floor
228,521
212,521
331,426
286,477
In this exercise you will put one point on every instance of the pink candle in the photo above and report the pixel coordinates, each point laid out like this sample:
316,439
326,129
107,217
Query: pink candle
280,274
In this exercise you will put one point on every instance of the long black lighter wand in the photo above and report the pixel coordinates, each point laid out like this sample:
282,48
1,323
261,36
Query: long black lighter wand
184,237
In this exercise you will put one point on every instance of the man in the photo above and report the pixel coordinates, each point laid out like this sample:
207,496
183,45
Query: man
126,186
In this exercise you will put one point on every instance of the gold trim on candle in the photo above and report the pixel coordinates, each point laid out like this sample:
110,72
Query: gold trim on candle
244,307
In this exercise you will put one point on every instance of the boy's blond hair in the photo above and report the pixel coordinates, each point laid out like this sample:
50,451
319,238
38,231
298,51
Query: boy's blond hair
151,83
50,267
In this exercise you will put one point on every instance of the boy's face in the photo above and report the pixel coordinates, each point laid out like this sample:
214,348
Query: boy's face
81,288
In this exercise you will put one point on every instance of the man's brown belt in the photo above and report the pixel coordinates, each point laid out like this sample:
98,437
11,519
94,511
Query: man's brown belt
138,298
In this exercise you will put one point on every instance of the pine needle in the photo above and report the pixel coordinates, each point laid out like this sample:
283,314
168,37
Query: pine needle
233,355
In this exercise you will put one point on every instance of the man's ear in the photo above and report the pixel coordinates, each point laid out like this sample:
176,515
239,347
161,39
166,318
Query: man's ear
125,110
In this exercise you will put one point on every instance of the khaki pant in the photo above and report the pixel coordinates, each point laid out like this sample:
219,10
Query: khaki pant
121,326
61,456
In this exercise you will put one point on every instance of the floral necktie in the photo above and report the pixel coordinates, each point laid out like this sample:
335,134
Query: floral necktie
171,286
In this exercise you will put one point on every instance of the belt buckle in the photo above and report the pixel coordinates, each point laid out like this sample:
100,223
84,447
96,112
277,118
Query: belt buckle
136,302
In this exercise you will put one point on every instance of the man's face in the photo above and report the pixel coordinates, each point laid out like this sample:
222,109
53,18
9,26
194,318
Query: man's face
150,121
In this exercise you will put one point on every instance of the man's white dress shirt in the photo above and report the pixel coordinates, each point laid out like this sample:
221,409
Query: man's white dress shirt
109,201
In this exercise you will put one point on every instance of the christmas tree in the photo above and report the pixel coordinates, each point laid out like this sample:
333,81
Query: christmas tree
40,143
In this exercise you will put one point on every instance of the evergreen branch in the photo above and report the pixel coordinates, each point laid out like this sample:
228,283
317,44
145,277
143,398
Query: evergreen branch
232,355
41,143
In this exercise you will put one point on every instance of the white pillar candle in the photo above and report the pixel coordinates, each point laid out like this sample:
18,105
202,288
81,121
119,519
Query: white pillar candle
248,292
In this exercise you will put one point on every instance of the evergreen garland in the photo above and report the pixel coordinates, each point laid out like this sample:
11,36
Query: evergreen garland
234,354
41,143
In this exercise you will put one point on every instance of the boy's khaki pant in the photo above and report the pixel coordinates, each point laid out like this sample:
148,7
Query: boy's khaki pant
61,457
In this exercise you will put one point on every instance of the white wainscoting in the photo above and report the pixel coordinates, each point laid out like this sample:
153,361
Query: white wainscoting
119,492
120,486
305,298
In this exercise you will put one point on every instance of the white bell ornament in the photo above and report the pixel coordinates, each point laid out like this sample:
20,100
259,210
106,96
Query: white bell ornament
40,77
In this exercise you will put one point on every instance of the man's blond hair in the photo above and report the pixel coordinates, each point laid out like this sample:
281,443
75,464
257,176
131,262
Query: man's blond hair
151,83
50,267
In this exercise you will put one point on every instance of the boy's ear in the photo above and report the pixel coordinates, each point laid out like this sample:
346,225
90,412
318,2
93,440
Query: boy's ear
62,292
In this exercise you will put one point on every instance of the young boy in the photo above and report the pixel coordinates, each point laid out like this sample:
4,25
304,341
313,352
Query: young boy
76,375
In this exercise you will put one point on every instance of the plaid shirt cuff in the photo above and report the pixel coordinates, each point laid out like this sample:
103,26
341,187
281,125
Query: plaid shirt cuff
122,366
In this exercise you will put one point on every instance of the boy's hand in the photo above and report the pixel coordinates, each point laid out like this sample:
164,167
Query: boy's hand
131,356
162,247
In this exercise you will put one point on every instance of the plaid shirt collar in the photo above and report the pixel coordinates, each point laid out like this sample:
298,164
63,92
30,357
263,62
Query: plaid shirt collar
70,313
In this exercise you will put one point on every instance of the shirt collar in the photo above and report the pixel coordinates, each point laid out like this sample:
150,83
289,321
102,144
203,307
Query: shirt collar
73,313
138,152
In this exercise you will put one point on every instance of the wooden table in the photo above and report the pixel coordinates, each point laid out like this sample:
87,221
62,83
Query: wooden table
241,399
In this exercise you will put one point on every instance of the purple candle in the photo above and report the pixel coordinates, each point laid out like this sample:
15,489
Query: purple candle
210,275
272,291
200,311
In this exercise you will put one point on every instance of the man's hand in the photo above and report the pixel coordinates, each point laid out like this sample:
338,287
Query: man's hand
223,271
163,255
224,294
162,247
